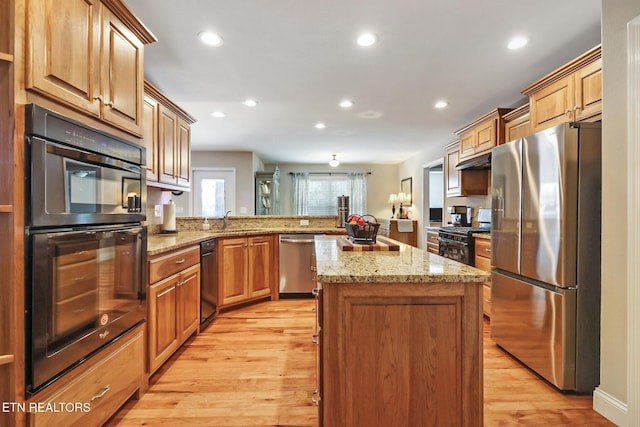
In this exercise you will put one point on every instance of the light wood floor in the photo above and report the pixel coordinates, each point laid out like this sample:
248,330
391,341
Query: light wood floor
256,367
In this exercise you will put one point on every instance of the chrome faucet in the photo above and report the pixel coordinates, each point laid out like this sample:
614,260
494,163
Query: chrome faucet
225,220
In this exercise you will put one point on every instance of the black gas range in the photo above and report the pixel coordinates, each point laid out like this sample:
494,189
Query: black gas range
457,243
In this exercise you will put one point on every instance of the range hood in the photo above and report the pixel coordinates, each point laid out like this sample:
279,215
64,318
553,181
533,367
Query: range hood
480,162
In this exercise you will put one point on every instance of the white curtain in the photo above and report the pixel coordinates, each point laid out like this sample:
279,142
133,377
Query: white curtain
300,192
358,192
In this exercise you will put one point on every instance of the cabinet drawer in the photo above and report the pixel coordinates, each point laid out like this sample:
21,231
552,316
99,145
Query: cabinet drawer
100,390
166,265
432,237
483,263
483,248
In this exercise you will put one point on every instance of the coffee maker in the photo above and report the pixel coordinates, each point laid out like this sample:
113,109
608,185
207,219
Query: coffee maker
343,210
460,215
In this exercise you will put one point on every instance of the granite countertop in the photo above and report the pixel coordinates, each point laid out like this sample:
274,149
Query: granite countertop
485,236
159,243
408,265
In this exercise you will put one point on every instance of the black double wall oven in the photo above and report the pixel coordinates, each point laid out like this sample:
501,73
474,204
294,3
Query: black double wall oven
85,243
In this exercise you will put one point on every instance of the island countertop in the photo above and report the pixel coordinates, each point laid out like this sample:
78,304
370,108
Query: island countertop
408,265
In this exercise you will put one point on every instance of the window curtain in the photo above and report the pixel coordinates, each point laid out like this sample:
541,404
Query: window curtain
358,193
300,192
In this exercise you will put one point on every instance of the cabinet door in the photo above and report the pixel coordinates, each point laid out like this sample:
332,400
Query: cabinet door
485,136
588,82
167,145
517,128
188,302
552,105
150,136
184,153
122,77
232,267
467,144
260,262
452,177
163,333
63,48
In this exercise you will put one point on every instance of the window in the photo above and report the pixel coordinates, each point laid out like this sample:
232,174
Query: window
317,194
213,192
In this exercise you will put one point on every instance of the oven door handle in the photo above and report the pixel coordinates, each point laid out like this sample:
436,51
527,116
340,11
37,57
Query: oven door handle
452,242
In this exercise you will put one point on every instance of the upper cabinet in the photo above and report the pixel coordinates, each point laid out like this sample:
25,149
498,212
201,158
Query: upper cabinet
570,93
517,123
166,130
468,182
88,55
482,134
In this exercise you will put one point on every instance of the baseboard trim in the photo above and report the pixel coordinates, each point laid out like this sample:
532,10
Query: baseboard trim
610,408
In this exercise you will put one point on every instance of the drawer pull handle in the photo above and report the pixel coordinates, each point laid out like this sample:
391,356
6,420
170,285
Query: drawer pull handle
102,393
165,292
315,397
180,261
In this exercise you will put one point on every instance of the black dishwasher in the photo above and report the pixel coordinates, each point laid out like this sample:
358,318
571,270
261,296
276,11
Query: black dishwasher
208,283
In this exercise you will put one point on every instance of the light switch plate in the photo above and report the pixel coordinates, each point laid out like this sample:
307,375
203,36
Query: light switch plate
304,222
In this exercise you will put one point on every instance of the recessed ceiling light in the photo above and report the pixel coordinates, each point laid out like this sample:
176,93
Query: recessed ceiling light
346,103
517,43
218,114
250,102
441,104
210,38
320,125
367,39
370,114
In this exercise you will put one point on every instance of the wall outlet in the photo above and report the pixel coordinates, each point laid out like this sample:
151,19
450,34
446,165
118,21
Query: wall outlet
157,211
304,222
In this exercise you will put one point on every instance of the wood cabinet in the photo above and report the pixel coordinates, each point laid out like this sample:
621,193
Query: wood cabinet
468,182
11,220
396,354
481,135
517,123
482,249
433,245
570,93
101,387
248,269
166,133
390,229
88,55
173,302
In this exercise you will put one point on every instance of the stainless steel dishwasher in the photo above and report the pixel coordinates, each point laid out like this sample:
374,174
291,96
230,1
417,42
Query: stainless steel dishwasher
208,283
297,278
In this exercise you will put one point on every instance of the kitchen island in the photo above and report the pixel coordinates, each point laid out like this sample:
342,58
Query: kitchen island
400,338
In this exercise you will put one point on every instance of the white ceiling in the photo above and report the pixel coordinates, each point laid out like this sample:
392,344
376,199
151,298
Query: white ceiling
298,59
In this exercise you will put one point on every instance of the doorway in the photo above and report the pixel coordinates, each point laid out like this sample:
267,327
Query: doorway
433,195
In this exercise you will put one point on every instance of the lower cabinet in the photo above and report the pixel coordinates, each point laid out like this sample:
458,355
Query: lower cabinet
399,354
247,269
433,244
97,392
483,262
174,302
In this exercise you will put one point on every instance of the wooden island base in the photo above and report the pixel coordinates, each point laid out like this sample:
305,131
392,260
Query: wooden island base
400,354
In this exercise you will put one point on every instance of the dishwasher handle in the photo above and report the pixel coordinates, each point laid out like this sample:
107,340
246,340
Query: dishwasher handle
300,241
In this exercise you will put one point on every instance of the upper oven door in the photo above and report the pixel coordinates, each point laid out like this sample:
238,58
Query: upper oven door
69,186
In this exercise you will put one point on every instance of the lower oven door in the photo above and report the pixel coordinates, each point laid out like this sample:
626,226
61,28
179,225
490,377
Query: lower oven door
455,250
84,289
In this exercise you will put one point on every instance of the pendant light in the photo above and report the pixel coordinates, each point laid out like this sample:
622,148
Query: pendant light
333,162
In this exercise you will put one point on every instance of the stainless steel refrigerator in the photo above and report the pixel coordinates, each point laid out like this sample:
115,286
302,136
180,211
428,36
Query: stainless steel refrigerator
545,244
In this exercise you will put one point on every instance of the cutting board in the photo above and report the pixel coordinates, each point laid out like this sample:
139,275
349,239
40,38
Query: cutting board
381,245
